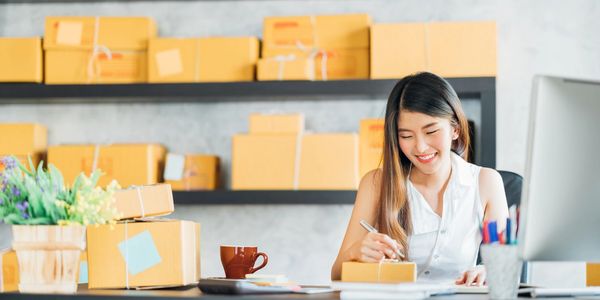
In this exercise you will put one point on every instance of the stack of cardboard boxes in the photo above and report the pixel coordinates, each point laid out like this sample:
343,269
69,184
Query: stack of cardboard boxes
277,155
21,59
315,48
97,49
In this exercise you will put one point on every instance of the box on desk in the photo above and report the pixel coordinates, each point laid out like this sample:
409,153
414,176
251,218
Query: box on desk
143,254
192,172
9,271
129,164
215,59
144,201
21,59
388,272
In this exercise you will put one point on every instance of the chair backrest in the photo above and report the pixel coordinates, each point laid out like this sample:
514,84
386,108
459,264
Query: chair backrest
513,184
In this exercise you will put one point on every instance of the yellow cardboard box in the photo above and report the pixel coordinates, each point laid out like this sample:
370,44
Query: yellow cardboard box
22,138
276,123
462,49
198,172
115,33
9,271
331,64
327,31
371,144
129,164
215,59
144,201
263,162
398,50
449,49
329,162
82,66
21,59
143,254
592,274
388,272
286,67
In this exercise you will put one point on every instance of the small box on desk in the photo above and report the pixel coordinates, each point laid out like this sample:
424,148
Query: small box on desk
388,272
145,201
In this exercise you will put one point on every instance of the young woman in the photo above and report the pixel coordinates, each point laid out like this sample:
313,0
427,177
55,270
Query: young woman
426,201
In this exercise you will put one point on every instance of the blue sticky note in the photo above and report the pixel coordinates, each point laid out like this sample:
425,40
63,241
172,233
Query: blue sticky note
139,252
83,272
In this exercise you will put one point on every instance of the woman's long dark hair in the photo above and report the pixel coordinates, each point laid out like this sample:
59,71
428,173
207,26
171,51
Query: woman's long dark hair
424,93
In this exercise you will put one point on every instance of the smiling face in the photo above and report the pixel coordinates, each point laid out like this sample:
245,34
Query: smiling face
425,140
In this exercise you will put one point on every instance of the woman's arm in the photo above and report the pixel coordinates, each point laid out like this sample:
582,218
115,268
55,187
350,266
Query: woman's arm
357,244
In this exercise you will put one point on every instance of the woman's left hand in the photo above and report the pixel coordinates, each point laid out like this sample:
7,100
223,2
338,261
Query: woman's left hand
473,276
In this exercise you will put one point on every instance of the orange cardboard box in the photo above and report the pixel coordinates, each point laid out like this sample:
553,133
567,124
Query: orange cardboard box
80,66
371,144
129,164
197,172
22,138
9,271
263,162
398,50
215,59
143,254
114,33
286,67
592,274
386,272
276,123
326,31
21,59
144,201
329,162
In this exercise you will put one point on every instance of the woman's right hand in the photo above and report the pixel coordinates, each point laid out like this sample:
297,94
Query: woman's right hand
375,247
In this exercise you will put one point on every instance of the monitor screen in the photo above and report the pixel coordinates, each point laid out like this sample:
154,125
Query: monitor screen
560,212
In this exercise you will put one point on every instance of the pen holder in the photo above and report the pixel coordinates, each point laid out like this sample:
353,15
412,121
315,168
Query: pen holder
503,267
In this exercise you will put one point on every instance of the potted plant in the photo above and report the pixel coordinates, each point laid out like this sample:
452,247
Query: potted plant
49,222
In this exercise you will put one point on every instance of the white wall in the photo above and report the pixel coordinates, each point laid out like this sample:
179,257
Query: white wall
549,37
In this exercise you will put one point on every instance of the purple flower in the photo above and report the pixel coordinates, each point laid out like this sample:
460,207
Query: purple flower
22,206
16,191
1,201
9,162
25,216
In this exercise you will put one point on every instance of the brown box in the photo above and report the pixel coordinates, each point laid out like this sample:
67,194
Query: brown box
286,67
144,201
21,59
276,123
398,50
160,253
199,172
9,271
371,145
129,164
386,272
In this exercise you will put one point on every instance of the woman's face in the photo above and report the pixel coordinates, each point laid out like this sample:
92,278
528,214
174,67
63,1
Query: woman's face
425,140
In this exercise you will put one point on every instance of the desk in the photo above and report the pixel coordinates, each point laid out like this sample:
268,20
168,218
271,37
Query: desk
194,293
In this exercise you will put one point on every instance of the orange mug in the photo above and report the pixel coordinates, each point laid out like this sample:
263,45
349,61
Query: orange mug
239,260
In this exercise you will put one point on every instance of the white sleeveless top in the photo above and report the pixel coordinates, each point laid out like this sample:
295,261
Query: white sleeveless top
457,231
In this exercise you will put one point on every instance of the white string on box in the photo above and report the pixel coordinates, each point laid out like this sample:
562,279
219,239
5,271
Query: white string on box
323,65
96,49
96,157
141,200
126,257
281,60
297,160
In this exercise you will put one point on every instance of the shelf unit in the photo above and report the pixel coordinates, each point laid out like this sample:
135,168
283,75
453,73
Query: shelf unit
480,88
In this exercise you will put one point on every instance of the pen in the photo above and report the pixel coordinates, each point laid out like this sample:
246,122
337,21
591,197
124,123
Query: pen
493,232
370,228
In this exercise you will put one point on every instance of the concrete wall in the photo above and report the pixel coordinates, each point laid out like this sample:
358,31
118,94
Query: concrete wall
549,37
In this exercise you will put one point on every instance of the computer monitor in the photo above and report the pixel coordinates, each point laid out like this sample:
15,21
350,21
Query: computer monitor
560,212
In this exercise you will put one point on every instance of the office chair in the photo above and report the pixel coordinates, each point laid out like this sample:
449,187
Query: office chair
513,184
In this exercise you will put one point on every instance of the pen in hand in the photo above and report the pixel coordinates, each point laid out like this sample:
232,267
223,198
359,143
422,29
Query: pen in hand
370,228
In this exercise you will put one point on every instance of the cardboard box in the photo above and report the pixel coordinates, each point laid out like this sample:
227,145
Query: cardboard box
329,162
463,49
9,271
21,59
398,50
80,66
286,67
276,123
216,59
143,254
334,63
263,162
592,271
129,164
23,138
115,33
371,145
144,201
193,172
386,272
333,31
